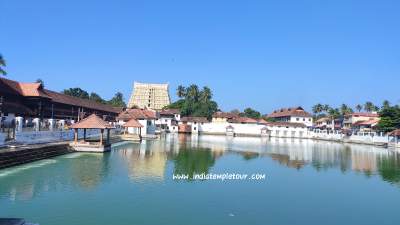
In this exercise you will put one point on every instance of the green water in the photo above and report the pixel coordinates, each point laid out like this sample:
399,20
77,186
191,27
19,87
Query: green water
306,182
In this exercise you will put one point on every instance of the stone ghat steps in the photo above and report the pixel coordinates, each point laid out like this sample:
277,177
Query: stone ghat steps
18,157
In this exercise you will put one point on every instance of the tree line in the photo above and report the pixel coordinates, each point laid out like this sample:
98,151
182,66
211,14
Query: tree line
116,101
389,114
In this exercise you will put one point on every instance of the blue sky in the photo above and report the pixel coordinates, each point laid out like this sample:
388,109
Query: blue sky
263,54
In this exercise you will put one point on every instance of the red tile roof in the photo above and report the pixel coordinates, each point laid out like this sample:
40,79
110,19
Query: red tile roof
86,103
37,90
138,114
262,121
92,122
242,120
25,89
366,122
365,114
170,112
132,123
194,119
395,133
286,112
225,115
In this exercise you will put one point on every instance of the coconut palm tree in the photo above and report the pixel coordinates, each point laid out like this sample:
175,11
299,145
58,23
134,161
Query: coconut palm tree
2,64
193,92
181,91
334,113
369,106
359,107
205,94
386,104
318,108
344,109
325,108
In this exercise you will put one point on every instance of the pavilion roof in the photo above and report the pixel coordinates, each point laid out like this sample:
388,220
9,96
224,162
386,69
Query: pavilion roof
132,123
92,122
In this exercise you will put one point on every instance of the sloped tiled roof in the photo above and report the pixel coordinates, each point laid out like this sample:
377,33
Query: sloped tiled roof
70,100
132,123
37,90
194,119
92,122
285,112
395,133
25,89
170,112
138,114
366,122
262,121
242,120
225,115
365,114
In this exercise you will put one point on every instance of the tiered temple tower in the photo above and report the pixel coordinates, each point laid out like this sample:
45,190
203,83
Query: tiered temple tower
153,96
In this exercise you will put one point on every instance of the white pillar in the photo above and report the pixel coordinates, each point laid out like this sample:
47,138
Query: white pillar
19,123
62,124
36,123
52,123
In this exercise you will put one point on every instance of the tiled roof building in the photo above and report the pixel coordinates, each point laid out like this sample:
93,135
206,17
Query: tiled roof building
32,99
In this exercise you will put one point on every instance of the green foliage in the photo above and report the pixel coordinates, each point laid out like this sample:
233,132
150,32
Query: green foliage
117,100
76,92
2,64
359,107
390,118
344,109
251,113
334,113
369,107
95,97
40,81
194,102
192,162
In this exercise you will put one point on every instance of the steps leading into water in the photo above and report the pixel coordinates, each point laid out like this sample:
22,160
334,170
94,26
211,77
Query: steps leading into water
26,154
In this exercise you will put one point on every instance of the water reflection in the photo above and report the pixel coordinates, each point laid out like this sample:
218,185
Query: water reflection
156,160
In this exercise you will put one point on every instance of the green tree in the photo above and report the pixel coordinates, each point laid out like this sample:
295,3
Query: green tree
334,113
117,100
76,92
344,109
390,118
196,102
95,97
193,92
318,108
369,106
181,91
251,113
2,64
386,104
359,107
40,81
205,94
325,108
